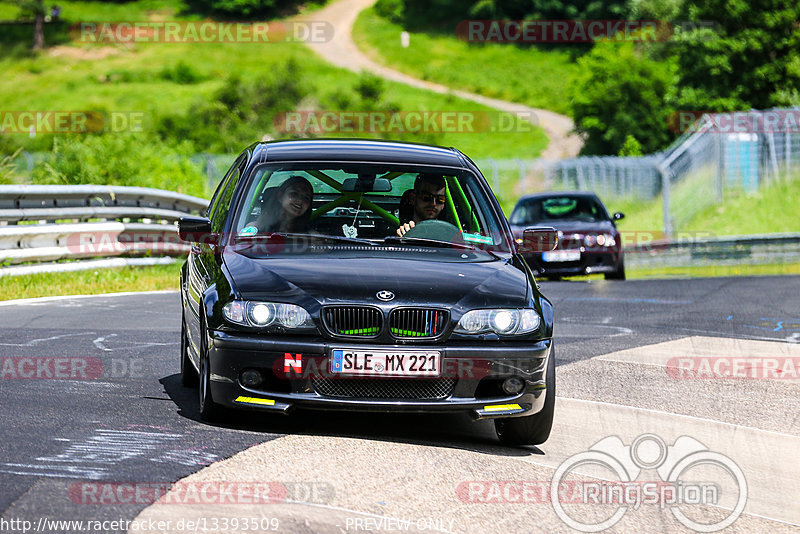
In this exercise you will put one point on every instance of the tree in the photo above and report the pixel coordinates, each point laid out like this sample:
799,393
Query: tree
749,57
36,9
618,93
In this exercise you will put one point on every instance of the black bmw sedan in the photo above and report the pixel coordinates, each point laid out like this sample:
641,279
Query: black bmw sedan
365,276
588,239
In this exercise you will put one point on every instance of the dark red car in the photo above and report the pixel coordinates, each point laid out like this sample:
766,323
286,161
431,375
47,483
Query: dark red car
589,242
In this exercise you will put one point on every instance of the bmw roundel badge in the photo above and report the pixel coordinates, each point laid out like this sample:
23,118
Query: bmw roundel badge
385,295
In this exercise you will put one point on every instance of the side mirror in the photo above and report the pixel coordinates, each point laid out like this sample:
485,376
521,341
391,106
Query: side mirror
618,215
196,230
539,240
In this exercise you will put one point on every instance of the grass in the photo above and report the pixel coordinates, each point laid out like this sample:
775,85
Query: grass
532,76
155,278
167,277
771,269
771,209
705,271
131,78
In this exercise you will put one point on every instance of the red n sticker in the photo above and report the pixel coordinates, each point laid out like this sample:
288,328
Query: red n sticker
292,362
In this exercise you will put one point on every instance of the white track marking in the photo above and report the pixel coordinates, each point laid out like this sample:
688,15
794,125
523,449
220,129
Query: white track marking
43,300
34,342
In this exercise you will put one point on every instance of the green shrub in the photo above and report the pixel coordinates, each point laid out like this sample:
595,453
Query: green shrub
120,159
247,9
239,113
393,10
182,73
7,167
620,92
631,147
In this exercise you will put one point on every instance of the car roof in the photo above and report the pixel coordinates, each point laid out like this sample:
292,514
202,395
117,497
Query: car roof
553,194
357,150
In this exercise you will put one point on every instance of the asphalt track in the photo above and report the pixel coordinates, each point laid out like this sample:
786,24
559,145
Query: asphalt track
127,420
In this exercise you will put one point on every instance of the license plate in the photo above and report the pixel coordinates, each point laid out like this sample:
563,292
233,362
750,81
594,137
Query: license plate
385,363
561,255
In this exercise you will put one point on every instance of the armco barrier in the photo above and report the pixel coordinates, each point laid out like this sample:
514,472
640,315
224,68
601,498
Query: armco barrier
88,221
729,250
131,222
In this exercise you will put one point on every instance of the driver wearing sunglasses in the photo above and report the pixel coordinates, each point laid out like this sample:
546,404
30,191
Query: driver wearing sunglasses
427,200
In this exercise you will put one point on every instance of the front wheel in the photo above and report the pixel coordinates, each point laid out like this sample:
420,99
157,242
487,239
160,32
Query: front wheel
209,410
532,429
188,374
619,274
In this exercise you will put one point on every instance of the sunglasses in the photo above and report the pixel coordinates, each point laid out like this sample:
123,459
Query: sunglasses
428,197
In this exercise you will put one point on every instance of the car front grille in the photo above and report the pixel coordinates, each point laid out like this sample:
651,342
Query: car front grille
385,388
356,321
417,322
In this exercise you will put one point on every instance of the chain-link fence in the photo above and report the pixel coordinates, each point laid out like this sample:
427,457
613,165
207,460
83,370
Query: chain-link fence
741,151
722,152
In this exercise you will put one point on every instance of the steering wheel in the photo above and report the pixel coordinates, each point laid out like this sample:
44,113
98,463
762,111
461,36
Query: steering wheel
438,230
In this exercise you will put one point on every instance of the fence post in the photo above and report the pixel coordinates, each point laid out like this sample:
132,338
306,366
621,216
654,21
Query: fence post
718,145
28,161
665,185
773,154
787,147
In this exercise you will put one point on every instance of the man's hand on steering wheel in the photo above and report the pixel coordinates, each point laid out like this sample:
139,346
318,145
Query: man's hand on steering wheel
405,228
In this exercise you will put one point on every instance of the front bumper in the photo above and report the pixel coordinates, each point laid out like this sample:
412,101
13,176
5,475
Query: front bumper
589,263
475,372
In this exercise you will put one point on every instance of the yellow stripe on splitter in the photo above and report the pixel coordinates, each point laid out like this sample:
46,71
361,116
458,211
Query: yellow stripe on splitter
501,407
255,400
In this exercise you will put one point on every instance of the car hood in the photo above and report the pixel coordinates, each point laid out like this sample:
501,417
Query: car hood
446,279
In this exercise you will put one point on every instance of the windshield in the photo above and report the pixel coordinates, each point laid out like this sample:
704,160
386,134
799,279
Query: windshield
559,208
366,204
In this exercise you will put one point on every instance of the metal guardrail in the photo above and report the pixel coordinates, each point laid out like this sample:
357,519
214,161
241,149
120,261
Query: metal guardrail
80,222
130,222
729,250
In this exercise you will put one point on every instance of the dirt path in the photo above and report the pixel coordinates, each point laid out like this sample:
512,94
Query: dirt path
343,52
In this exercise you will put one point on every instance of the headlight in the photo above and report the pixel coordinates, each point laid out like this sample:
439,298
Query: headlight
590,241
264,314
504,322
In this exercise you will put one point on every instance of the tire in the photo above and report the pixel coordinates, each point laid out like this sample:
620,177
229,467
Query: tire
532,429
619,274
188,373
209,410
